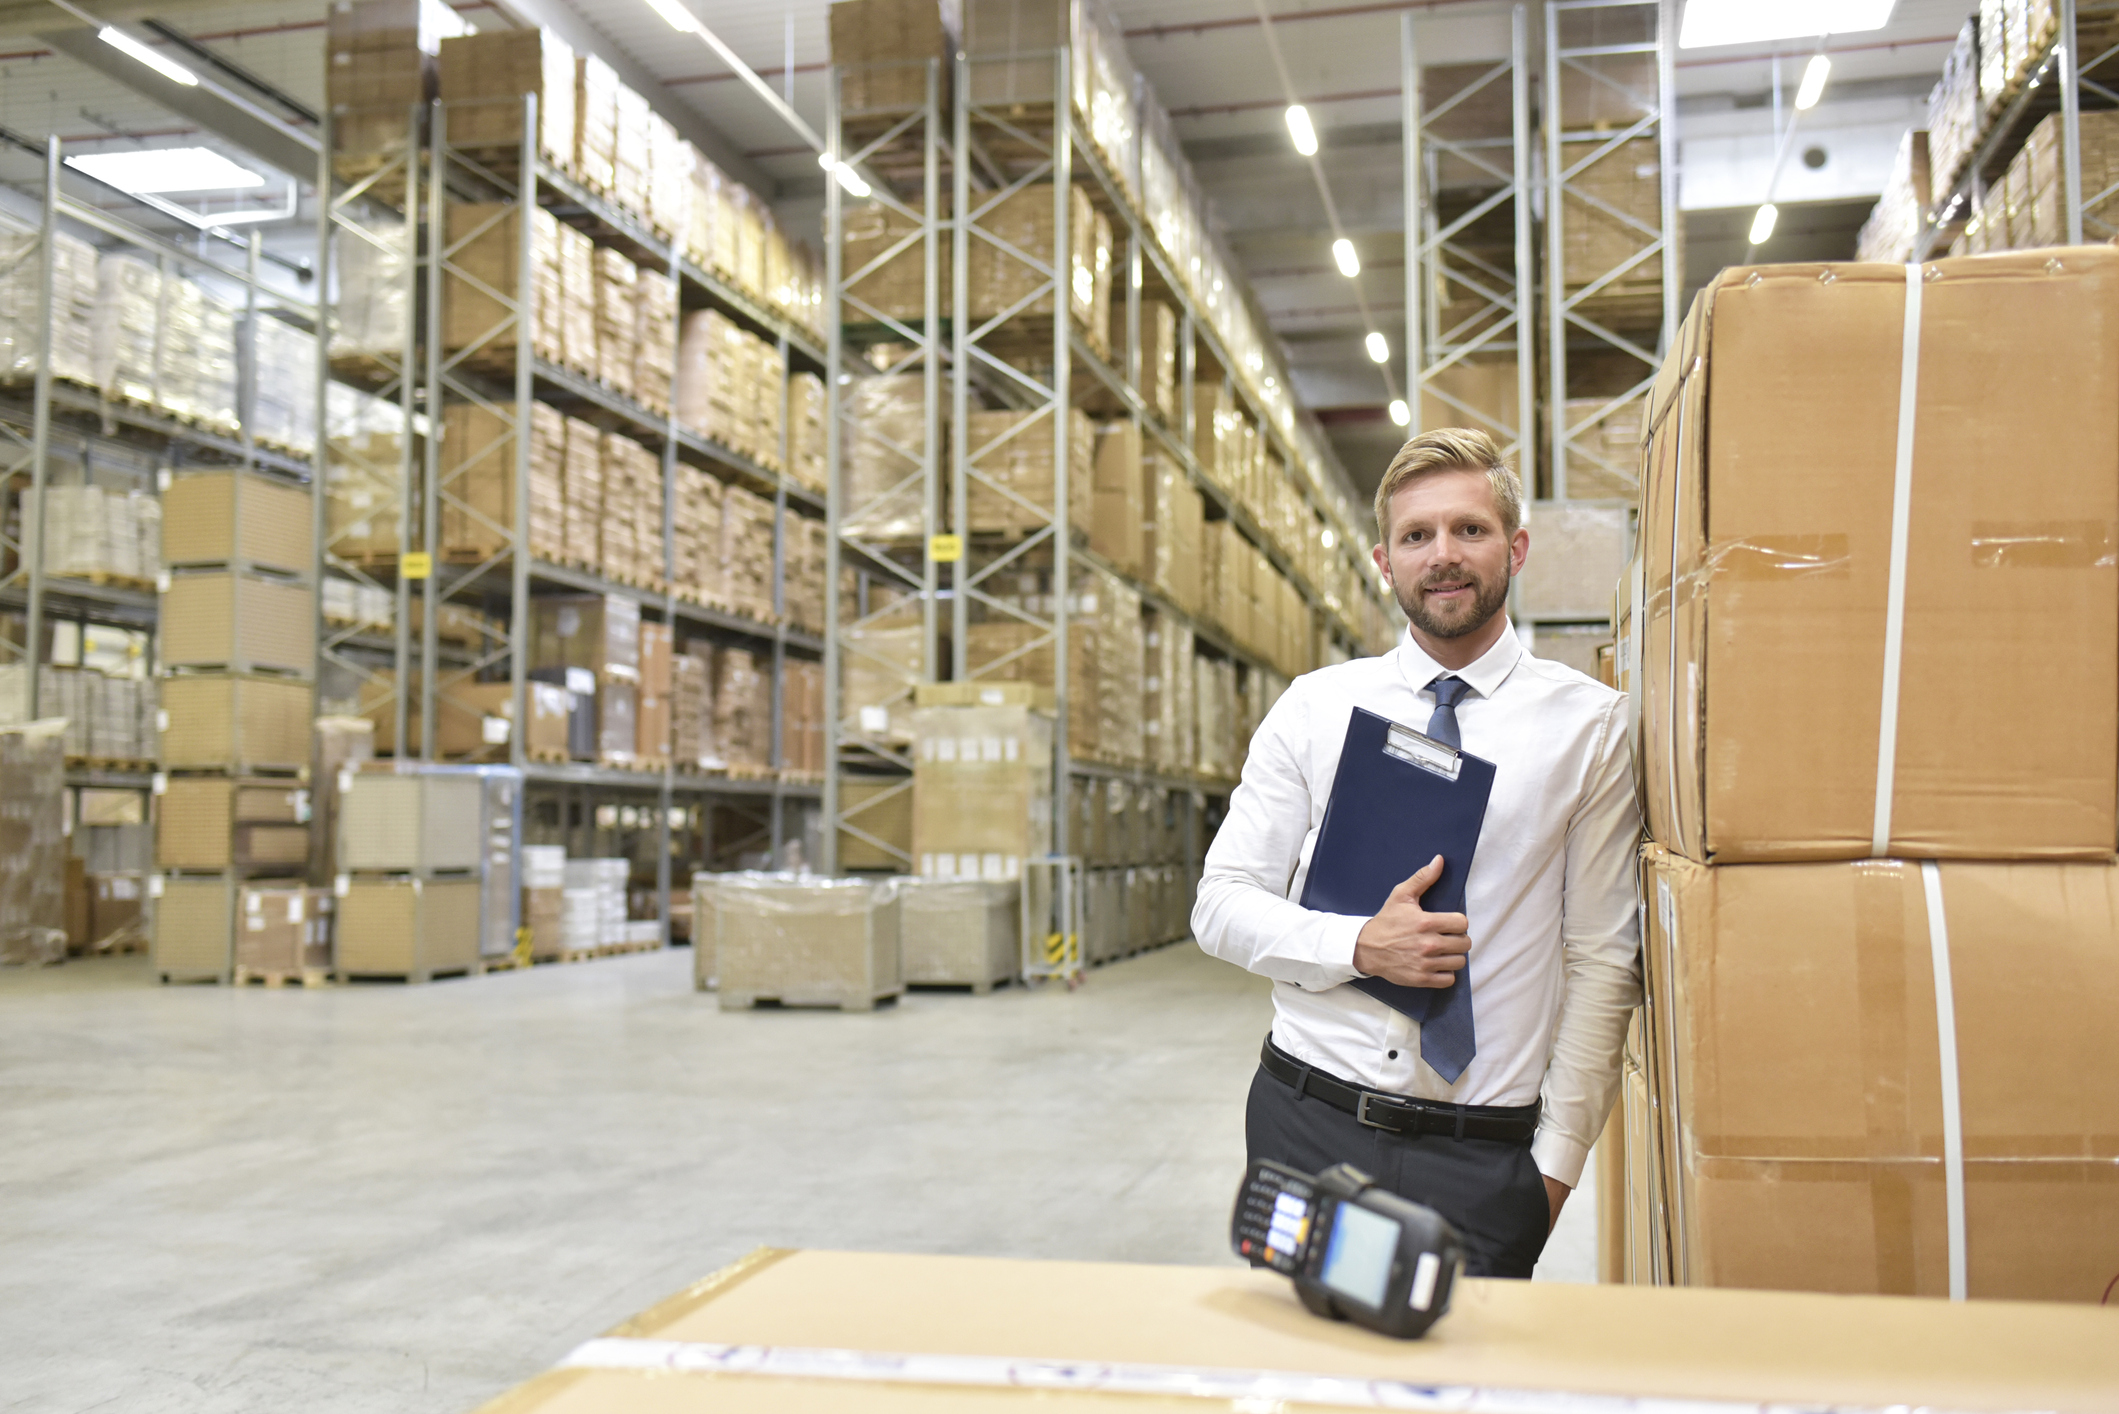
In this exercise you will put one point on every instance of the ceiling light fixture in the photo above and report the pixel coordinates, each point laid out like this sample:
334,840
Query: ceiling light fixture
1379,348
166,170
132,48
679,18
1813,87
848,177
1711,22
1349,262
1400,413
1762,224
1299,128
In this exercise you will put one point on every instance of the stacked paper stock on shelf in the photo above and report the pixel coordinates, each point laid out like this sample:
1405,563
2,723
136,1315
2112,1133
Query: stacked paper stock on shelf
1936,860
73,308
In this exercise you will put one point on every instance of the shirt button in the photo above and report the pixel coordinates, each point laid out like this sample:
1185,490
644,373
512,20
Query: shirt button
1394,1055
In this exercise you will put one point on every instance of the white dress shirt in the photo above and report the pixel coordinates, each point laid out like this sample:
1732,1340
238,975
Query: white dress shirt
1550,896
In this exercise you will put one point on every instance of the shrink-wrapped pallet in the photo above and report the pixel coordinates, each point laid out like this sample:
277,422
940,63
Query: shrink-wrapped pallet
692,741
630,151
617,315
596,124
670,163
574,312
807,942
73,308
283,386
742,708
363,475
696,522
96,532
654,341
127,327
981,790
803,552
484,77
1024,219
488,256
1010,456
805,430
32,843
747,552
372,317
196,376
960,932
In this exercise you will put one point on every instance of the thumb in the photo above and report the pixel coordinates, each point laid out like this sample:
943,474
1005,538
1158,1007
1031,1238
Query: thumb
1423,878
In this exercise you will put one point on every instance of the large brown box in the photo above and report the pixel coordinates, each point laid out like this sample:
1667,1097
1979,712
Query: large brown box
1175,527
222,721
1048,1336
1120,514
488,249
409,928
959,932
282,930
1010,457
1812,1022
479,463
221,822
239,622
1778,530
218,517
879,45
503,65
814,942
194,927
981,791
600,632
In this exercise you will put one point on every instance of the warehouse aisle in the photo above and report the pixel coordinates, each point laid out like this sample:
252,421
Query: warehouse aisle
406,1199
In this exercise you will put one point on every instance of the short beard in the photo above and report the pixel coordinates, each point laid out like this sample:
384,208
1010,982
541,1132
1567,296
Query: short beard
1485,604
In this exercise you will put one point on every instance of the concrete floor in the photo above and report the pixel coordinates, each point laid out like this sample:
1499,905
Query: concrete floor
407,1199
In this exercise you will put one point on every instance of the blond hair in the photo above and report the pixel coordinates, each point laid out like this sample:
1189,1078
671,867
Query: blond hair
1451,449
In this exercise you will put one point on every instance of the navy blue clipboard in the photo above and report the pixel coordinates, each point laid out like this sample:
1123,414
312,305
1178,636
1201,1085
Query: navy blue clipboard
1398,800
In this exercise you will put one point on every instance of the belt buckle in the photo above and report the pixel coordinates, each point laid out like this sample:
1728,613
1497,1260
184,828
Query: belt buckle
1361,1112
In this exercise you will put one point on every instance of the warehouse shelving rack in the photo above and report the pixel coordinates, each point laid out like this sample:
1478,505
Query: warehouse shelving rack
57,412
2003,135
1042,365
425,379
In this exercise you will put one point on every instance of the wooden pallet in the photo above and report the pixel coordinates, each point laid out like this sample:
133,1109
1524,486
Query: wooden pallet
745,1001
546,755
309,977
110,763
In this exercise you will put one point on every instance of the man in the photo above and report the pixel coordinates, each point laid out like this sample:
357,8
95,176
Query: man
1548,942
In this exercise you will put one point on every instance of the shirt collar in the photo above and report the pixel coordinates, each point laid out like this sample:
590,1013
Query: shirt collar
1486,673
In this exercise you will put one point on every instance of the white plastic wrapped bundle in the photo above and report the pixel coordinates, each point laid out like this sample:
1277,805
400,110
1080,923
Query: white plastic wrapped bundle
73,308
374,292
283,391
94,531
197,378
127,323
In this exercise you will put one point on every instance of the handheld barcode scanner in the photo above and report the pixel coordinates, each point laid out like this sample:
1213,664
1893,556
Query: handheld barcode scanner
1356,1253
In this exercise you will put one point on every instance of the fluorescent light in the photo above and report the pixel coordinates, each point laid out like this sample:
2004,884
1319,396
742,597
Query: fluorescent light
1762,224
848,177
1326,538
166,170
1343,252
1400,413
1814,76
679,18
1379,348
132,48
1711,22
1299,129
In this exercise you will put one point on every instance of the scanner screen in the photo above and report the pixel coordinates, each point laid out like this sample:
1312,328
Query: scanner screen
1357,1263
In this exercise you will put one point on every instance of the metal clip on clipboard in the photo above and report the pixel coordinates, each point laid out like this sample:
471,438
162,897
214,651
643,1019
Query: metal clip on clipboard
1423,751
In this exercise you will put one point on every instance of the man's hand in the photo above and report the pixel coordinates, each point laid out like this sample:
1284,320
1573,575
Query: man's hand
1556,1194
1406,944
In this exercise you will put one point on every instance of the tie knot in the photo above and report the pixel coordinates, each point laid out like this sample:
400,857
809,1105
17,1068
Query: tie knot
1449,691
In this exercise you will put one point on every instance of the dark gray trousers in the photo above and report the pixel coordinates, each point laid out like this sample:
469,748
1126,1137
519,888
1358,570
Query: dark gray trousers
1491,1192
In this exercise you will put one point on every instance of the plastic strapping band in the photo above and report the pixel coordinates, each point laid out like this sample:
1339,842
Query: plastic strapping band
1895,603
1952,1100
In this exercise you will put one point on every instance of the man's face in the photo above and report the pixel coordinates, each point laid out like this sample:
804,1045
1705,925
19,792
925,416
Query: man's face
1449,558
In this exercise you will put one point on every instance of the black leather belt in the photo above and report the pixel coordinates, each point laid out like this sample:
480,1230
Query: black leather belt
1400,1114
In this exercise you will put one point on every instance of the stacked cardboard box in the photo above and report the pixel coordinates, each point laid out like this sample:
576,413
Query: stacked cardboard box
805,431
654,341
1104,656
484,77
631,151
379,63
651,732
32,843
695,572
1577,555
981,788
632,512
583,491
1894,226
882,442
1627,180
692,710
1156,378
1220,748
479,463
747,553
1953,111
1025,220
1902,871
743,700
488,257
802,717
1169,709
803,553
1174,531
599,635
882,47
1604,459
363,477
596,125
1011,456
885,265
730,386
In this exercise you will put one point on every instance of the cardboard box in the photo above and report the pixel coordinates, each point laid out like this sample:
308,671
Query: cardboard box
479,463
410,928
960,932
1783,554
216,517
114,908
881,47
1803,1146
1087,1336
1120,513
238,622
981,791
488,247
282,930
882,811
235,722
194,927
500,67
600,632
221,822
816,942
1009,459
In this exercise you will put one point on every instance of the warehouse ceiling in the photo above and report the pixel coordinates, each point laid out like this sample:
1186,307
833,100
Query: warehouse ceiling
1209,63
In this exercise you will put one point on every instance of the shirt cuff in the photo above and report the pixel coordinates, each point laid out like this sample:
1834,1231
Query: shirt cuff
1559,1157
1336,949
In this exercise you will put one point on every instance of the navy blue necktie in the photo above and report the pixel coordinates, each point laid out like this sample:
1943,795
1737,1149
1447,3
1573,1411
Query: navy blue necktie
1447,1039
1443,725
